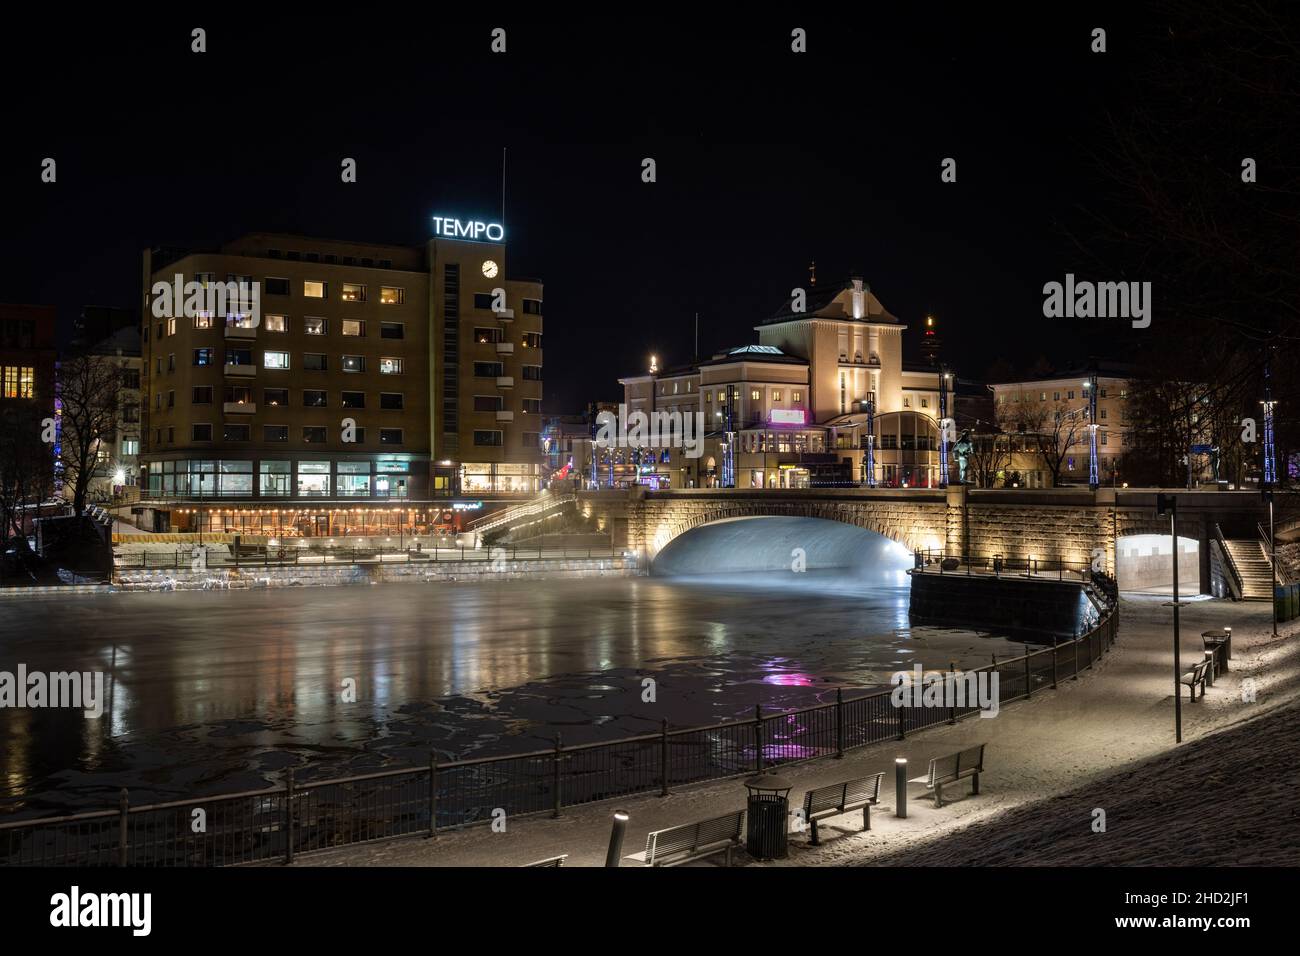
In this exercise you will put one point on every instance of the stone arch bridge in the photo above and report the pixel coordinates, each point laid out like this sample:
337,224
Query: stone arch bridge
1064,524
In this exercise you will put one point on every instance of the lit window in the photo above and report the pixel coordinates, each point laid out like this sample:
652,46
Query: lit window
171,326
390,295
353,292
313,326
313,290
776,396
203,320
275,323
275,359
796,397
755,394
353,327
389,365
354,363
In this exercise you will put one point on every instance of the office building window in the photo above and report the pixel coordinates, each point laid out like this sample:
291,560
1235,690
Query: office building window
354,399
354,363
388,365
314,398
484,336
130,446
390,436
314,434
483,300
755,394
275,396
487,437
391,295
314,361
239,356
532,406
275,323
314,325
200,433
488,369
171,398
276,286
533,373
171,326
275,359
392,330
487,403
203,320
235,433
353,327
391,401
352,292
532,306
274,475
204,357
314,290
314,477
171,361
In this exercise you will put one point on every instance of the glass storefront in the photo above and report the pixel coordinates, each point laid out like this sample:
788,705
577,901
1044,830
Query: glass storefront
499,478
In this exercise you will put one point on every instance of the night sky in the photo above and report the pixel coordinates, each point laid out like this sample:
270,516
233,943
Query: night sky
766,160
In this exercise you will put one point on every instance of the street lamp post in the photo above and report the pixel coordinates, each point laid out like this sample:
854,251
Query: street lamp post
1168,504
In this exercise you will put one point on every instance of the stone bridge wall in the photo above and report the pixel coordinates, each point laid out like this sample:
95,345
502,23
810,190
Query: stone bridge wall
1058,524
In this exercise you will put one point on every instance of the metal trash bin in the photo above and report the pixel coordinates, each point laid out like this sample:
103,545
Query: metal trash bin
768,812
1217,642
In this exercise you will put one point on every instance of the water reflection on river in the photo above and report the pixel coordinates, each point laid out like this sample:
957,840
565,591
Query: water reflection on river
222,691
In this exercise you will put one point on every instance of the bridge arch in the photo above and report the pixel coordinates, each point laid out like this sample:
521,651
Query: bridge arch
912,524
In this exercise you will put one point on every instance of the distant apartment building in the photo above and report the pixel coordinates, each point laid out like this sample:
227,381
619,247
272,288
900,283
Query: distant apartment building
377,383
117,471
1053,413
27,355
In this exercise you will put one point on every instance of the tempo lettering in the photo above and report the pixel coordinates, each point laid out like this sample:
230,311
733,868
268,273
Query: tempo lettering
473,230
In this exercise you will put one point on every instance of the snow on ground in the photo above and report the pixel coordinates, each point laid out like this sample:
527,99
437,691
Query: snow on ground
1225,796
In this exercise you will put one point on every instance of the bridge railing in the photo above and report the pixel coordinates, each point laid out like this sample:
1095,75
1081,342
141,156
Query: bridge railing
928,561
302,816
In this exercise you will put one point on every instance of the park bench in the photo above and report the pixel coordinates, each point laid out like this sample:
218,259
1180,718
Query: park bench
1217,641
953,767
693,841
840,798
1197,675
550,861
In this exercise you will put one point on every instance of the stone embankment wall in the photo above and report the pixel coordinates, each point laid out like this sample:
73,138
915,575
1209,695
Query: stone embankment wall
342,574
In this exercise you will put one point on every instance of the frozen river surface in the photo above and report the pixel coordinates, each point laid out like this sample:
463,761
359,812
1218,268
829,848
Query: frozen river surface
219,691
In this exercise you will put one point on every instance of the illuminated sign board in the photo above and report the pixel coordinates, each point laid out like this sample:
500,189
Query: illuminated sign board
786,416
466,505
471,229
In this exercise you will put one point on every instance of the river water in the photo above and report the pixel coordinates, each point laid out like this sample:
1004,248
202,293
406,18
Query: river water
219,691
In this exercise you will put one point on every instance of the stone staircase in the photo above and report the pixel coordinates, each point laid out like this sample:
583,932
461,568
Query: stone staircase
1251,561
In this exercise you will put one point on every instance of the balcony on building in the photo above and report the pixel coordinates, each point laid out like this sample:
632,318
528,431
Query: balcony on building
241,370
241,327
240,408
505,381
505,348
505,416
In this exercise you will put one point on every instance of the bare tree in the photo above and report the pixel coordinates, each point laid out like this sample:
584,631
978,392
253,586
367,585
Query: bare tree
1052,427
990,455
26,470
88,391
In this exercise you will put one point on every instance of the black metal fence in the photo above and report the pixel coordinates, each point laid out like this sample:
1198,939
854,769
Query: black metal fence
277,823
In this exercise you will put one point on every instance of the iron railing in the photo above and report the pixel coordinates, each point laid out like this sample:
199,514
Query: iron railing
276,823
272,557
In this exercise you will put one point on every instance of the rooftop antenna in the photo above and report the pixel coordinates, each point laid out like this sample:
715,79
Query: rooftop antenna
812,273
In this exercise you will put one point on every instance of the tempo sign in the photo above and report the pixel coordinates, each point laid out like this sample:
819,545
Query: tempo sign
473,230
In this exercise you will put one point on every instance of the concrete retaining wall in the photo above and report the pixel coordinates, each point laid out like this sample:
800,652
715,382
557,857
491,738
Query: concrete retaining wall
330,575
1051,607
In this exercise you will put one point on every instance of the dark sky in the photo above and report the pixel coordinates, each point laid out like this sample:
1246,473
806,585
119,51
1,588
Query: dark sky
766,159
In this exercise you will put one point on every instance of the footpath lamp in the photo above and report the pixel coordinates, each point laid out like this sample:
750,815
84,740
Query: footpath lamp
1266,486
1168,504
1090,387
